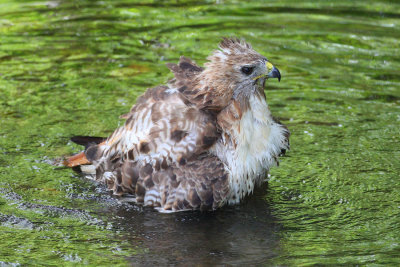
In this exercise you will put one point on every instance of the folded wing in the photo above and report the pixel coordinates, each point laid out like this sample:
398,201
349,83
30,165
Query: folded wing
161,153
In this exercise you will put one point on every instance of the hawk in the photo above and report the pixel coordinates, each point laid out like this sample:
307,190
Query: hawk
203,140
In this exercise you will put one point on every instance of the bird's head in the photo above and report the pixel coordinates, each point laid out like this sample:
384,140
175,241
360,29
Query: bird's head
236,69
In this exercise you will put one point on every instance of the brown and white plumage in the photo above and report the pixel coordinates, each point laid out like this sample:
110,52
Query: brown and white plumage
203,140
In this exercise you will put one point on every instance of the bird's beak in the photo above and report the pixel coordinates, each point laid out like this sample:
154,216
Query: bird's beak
273,72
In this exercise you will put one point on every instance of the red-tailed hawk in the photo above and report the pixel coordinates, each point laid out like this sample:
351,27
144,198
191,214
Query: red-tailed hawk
204,140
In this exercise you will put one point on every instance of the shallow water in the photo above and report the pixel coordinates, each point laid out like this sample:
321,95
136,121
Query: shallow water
72,67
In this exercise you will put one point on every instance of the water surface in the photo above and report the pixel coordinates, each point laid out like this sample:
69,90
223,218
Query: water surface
72,67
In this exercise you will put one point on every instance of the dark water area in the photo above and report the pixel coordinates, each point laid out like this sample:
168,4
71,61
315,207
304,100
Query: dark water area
247,234
72,67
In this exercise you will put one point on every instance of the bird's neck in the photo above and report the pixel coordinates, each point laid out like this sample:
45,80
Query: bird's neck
249,145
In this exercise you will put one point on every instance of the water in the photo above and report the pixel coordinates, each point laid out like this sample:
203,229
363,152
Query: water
72,67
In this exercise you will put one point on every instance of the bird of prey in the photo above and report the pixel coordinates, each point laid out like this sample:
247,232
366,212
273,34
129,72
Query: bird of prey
203,140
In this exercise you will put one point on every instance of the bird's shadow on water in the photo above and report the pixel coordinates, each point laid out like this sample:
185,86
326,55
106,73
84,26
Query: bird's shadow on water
241,234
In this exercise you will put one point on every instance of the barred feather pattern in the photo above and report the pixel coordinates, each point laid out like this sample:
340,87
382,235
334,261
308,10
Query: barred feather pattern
154,154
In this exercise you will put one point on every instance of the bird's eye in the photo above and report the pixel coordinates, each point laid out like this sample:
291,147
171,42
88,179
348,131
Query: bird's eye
247,70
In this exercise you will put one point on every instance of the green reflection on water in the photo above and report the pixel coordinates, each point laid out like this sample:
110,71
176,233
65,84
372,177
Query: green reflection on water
72,67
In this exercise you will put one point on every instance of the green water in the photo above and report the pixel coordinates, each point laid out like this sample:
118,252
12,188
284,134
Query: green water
72,67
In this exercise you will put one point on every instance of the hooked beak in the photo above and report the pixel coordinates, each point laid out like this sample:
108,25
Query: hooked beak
273,72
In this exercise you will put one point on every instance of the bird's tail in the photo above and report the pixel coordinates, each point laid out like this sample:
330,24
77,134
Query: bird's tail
80,158
76,160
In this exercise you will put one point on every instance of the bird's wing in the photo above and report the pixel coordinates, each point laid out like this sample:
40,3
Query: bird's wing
162,128
160,153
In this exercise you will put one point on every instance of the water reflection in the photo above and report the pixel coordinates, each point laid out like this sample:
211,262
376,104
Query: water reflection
242,234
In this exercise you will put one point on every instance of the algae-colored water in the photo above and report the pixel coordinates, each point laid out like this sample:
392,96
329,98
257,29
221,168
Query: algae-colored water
72,67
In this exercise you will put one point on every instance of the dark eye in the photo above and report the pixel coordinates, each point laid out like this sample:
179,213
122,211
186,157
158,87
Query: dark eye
247,70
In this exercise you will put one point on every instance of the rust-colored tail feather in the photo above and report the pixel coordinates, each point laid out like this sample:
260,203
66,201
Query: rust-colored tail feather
80,158
76,160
